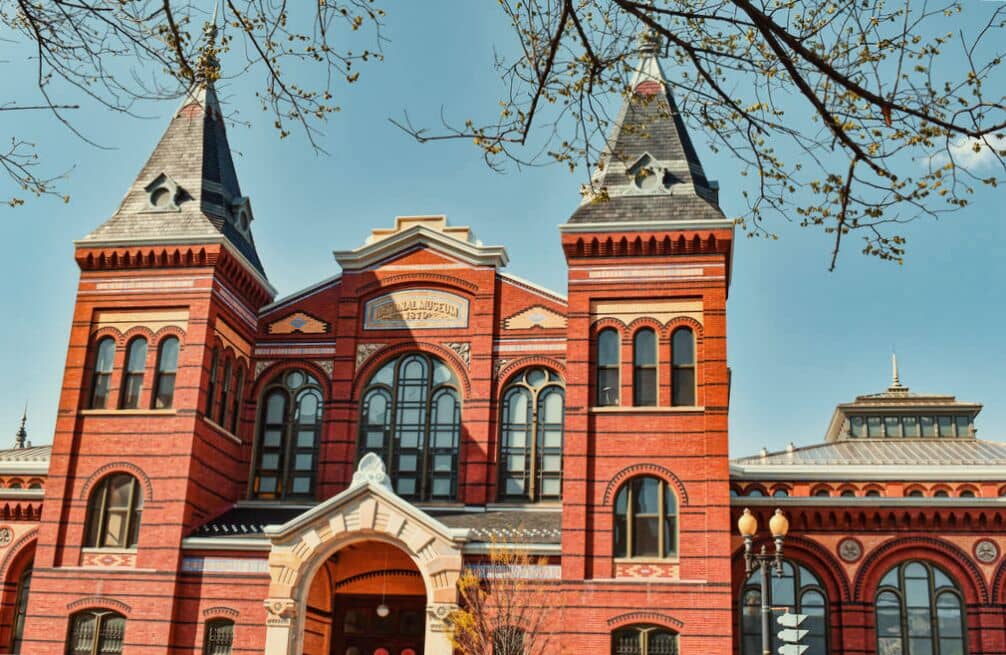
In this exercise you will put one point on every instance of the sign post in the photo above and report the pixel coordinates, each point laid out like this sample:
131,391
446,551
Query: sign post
791,634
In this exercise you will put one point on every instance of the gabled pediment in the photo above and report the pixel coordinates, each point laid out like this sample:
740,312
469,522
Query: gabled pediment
357,508
455,243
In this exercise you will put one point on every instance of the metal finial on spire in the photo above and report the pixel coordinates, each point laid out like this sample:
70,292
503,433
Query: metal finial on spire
209,64
650,42
21,438
895,379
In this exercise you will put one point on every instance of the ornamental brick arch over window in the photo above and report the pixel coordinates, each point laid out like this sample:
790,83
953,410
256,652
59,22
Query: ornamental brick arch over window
956,563
382,356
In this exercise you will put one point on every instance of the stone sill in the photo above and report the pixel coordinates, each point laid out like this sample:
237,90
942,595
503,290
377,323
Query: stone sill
691,409
128,412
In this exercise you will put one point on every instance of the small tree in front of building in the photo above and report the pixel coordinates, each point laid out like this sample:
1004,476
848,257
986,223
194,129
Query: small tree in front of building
507,607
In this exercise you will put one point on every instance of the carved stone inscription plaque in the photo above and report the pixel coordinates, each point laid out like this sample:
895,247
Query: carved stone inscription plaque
416,309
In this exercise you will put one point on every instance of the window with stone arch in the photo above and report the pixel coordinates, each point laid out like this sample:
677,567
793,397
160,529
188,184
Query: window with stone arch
919,609
410,417
113,512
646,519
96,632
798,590
286,456
644,640
531,436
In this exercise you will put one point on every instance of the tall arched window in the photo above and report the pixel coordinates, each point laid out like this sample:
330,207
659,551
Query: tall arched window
219,637
132,377
644,368
646,519
644,640
239,390
287,458
96,632
920,610
531,437
800,591
211,387
104,359
20,608
608,359
683,368
167,368
411,418
113,513
225,394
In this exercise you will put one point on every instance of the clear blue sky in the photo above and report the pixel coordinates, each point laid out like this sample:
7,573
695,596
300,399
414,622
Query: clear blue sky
801,339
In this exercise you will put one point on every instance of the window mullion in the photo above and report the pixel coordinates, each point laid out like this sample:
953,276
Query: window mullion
287,444
532,460
428,416
99,539
630,515
660,518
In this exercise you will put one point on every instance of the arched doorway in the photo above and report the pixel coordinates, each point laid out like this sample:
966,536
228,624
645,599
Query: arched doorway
368,598
371,518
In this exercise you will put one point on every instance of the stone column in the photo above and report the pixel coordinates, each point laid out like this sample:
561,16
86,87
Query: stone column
438,631
281,621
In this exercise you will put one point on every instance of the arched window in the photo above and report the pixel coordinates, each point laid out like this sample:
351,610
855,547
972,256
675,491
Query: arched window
104,359
219,637
96,632
644,640
132,378
113,513
225,394
167,368
531,437
683,368
411,418
20,608
211,387
508,640
646,519
919,610
644,368
286,462
239,390
800,591
607,367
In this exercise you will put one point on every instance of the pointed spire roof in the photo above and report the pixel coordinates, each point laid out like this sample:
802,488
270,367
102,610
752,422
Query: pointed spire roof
21,436
649,168
895,379
188,190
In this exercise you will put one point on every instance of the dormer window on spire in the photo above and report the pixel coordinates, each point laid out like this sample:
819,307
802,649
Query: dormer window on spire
164,193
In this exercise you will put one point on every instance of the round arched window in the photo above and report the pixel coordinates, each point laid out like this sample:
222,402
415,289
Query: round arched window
531,437
410,416
289,433
920,609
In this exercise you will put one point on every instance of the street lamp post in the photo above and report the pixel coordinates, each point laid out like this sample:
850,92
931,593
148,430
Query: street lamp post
766,562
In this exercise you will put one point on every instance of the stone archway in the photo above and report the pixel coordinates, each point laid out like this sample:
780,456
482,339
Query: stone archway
367,511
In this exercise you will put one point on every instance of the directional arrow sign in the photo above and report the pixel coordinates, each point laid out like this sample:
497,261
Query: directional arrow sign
792,649
791,620
792,636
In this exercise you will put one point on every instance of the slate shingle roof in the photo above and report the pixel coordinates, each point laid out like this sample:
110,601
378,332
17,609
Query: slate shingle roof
650,126
538,527
193,153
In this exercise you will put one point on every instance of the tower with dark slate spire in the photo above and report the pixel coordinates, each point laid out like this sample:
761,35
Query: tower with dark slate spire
649,254
21,436
157,373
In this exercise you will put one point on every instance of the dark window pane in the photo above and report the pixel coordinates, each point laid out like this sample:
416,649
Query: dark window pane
909,426
644,387
892,426
683,347
683,387
607,387
928,426
857,426
644,347
874,426
607,347
946,425
963,427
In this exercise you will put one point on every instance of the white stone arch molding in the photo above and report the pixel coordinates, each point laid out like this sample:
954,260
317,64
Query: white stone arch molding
366,511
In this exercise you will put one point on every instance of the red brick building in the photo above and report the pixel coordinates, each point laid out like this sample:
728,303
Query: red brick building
232,473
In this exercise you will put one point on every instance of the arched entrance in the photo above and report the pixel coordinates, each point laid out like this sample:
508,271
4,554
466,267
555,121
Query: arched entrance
365,520
367,598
